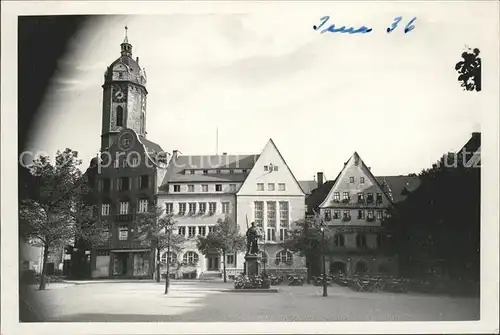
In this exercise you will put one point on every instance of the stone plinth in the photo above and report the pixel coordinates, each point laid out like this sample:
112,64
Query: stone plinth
251,265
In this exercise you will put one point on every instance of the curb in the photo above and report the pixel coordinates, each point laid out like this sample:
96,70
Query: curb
251,290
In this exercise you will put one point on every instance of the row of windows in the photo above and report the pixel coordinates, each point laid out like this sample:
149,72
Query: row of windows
361,197
193,231
123,183
217,171
191,257
271,214
361,180
362,214
193,208
271,187
124,207
339,240
204,188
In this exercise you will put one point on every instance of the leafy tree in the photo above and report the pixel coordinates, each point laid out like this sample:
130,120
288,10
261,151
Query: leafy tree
223,239
58,211
438,225
154,229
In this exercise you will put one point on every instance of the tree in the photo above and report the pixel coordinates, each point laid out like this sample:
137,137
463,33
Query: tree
154,229
440,222
223,239
58,212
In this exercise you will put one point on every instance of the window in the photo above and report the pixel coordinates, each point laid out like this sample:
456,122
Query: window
172,259
117,163
379,198
336,196
119,116
106,184
361,214
275,168
339,240
182,208
169,208
284,216
347,214
379,215
271,214
182,231
369,198
204,188
258,213
351,180
190,257
230,259
144,182
271,234
123,207
105,209
232,187
266,168
260,187
212,207
328,214
143,205
336,214
270,187
190,188
191,171
202,207
381,240
361,180
177,188
283,232
205,171
210,229
218,187
370,214
124,163
123,233
123,184
284,256
281,187
231,171
191,232
192,208
202,230
217,171
225,208
244,170
361,240
345,196
361,198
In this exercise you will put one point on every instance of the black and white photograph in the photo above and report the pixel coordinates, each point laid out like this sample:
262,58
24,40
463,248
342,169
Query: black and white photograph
250,167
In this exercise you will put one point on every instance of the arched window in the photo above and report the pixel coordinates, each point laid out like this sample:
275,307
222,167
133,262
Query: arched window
339,240
119,116
361,267
172,258
190,258
284,256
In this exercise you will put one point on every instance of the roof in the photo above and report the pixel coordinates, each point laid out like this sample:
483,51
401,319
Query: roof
472,146
178,166
396,186
308,186
151,147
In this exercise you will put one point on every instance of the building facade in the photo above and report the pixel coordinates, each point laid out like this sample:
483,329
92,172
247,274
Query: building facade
260,188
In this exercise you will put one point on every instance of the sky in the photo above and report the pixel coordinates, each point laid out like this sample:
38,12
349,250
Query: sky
260,74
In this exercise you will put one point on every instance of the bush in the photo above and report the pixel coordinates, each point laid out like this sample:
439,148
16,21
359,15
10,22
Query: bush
251,282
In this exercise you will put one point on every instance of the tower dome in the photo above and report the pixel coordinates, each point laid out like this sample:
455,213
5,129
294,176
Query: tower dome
125,68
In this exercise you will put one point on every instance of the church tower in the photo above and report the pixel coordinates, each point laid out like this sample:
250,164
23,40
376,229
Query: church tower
124,97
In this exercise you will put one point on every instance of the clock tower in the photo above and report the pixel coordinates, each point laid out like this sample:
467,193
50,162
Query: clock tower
124,97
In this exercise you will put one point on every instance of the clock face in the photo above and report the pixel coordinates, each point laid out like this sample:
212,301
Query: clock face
126,141
119,94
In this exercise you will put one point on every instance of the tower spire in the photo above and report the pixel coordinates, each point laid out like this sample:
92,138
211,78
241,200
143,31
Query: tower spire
126,46
125,40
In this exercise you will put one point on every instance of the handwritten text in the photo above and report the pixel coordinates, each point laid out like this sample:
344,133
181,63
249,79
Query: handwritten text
331,28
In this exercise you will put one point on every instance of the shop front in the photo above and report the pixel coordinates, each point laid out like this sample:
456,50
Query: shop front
122,263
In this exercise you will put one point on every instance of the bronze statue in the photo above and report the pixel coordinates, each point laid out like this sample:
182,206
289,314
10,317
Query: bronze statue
252,237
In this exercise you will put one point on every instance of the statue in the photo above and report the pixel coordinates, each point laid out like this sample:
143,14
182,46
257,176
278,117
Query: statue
252,237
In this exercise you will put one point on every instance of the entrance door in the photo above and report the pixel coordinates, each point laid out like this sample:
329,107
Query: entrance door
213,263
120,264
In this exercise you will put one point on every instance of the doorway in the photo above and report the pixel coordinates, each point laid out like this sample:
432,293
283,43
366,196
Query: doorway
120,264
213,263
337,268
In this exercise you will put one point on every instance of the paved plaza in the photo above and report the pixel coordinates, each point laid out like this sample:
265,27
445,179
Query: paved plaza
191,301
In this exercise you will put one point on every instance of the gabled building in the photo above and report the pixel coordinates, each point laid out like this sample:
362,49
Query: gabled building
353,207
272,198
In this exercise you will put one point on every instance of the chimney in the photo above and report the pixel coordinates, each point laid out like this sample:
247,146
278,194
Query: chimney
175,154
224,153
137,60
320,179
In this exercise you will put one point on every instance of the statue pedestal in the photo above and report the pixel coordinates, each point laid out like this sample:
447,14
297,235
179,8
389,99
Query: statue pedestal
251,265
